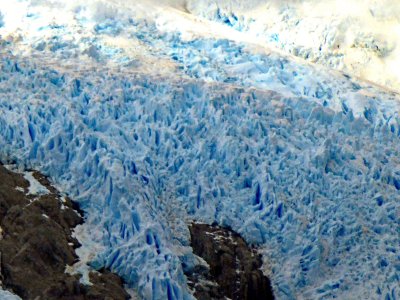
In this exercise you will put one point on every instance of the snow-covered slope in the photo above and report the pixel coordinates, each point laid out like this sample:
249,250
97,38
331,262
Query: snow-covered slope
359,37
151,118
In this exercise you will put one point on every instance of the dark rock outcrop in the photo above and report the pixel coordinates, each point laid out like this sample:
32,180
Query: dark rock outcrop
234,268
36,244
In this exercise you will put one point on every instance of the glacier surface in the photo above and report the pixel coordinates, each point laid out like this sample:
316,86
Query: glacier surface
302,161
356,36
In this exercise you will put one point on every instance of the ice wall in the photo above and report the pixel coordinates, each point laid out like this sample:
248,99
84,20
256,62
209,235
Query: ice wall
317,188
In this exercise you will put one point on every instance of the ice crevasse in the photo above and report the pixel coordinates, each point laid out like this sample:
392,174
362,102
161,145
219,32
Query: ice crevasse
307,168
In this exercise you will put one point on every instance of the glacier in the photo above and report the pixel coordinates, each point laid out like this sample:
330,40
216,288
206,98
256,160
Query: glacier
302,161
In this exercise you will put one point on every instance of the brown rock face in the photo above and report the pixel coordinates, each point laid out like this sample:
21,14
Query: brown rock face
36,244
234,268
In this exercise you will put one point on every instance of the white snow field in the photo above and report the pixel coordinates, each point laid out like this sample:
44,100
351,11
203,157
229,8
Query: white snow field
152,118
360,37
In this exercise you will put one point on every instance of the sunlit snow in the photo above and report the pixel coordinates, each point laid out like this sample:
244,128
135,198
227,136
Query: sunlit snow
359,37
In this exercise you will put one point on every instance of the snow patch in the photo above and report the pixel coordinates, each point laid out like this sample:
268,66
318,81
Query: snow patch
35,187
20,189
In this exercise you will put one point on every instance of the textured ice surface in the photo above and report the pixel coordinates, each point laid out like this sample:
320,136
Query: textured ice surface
357,36
302,161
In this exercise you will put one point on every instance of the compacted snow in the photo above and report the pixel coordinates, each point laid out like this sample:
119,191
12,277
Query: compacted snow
359,37
151,118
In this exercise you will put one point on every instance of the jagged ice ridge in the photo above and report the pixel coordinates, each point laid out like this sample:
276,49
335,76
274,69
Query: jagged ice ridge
300,161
